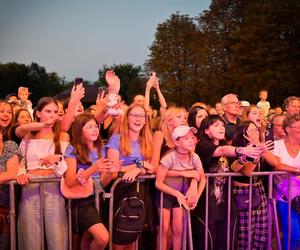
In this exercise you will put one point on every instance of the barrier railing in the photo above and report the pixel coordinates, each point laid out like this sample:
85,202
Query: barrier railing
272,214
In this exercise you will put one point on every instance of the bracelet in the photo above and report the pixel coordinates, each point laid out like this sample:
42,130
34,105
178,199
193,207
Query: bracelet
81,178
238,151
60,159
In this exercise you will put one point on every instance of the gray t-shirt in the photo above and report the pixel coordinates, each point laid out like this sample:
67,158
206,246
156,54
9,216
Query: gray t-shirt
172,162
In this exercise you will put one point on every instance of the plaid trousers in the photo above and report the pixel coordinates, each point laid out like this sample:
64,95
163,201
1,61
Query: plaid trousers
259,220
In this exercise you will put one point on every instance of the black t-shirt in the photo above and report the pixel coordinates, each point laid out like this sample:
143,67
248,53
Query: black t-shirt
218,186
230,128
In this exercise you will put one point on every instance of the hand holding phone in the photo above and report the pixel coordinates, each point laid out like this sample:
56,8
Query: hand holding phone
78,80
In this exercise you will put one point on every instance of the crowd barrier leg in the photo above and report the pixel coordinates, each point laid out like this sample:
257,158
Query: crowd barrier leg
276,224
42,214
228,214
111,212
70,223
206,214
289,212
160,221
12,216
184,228
190,235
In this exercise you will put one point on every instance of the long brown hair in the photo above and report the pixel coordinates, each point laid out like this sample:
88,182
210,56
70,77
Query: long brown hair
6,130
81,148
43,102
145,136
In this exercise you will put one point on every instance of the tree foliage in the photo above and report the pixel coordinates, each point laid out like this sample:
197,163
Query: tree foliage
33,76
236,46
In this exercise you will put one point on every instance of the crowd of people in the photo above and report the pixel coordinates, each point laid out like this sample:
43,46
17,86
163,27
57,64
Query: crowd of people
110,140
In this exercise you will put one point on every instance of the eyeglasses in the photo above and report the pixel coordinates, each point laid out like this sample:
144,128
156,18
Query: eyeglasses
233,103
137,116
297,128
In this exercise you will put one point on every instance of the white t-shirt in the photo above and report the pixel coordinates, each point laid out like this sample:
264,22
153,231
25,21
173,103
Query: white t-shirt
281,181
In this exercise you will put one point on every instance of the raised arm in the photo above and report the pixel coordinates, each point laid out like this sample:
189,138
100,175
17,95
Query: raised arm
24,129
161,98
77,93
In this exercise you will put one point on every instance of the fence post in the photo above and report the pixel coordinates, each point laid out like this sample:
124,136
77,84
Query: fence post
12,216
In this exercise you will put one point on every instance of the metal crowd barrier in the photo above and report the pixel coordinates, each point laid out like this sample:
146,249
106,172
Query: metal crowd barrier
271,210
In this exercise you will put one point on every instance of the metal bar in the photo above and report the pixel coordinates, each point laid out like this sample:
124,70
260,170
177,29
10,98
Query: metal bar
111,211
42,198
184,229
206,214
228,214
289,211
250,214
270,212
12,216
70,223
190,235
160,221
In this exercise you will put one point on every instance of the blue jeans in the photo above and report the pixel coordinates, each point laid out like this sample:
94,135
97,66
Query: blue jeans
282,210
54,217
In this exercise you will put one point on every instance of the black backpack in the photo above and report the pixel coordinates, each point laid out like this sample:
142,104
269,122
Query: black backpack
129,219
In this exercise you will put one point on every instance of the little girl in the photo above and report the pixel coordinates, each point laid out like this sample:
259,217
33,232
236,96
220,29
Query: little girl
84,160
178,190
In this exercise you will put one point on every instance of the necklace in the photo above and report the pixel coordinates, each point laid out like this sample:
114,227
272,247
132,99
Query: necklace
293,148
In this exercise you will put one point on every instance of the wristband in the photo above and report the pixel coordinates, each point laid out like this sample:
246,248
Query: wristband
60,159
238,151
81,178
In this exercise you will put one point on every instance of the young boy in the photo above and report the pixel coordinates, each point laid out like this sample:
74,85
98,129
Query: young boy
24,102
263,104
184,184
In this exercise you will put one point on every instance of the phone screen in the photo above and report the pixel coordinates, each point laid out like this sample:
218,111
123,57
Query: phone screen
269,134
78,80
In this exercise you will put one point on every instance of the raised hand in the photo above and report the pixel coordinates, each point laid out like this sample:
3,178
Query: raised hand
77,92
113,82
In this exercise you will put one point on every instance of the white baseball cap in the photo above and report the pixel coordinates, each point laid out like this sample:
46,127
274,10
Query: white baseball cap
181,131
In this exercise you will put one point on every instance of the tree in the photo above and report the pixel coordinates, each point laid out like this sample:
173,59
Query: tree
172,57
33,76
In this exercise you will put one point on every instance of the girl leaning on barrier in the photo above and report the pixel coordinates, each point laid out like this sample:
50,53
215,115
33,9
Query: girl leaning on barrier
248,134
42,149
162,143
132,146
179,192
9,161
215,156
286,157
84,160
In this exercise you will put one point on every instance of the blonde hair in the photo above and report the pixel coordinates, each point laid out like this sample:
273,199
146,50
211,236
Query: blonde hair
168,115
145,136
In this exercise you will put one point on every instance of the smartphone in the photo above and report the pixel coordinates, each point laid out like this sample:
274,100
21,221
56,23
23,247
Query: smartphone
78,80
269,133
